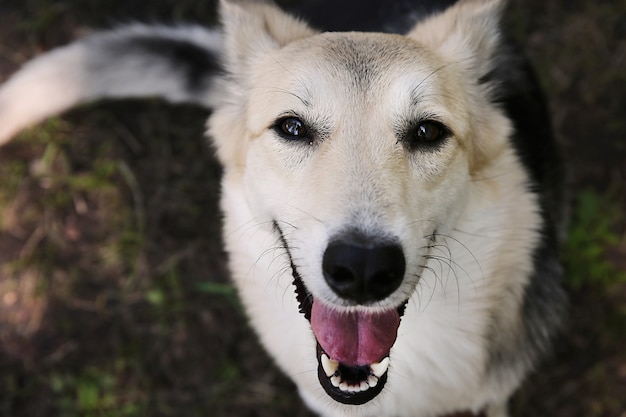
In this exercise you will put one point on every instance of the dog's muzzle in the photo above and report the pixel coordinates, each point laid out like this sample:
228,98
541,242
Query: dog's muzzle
353,346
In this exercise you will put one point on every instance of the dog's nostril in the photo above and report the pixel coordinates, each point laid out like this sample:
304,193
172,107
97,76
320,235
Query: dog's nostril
363,273
342,275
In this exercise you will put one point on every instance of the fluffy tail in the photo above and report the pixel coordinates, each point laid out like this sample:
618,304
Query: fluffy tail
177,64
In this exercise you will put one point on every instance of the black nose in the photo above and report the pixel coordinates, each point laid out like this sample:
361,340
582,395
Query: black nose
363,272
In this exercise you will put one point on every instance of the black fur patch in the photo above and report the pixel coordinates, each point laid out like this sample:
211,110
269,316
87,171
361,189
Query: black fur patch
544,305
198,65
396,16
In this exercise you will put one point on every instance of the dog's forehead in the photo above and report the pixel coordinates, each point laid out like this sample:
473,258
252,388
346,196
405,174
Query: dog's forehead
366,75
363,57
334,62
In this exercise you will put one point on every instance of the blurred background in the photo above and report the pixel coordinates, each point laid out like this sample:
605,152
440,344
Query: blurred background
114,296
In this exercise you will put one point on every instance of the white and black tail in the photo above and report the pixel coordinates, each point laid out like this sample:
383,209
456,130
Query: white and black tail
174,63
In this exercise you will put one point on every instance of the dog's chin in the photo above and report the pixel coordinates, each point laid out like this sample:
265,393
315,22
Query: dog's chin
354,381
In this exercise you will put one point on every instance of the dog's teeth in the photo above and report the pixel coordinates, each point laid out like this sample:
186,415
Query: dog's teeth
380,368
346,387
331,369
330,366
359,387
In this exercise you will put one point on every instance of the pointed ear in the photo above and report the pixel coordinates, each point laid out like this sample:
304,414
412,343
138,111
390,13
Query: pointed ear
468,33
253,28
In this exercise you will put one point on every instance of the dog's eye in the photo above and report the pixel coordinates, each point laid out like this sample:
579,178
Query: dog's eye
426,134
292,128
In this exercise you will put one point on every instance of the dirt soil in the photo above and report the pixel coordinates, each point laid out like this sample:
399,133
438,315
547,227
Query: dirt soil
114,295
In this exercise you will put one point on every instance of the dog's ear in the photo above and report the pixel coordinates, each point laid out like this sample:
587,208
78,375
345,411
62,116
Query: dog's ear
253,28
467,33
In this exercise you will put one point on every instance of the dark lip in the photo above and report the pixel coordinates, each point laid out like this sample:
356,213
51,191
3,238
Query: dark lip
355,374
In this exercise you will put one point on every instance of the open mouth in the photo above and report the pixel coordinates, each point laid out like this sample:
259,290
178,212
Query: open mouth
352,348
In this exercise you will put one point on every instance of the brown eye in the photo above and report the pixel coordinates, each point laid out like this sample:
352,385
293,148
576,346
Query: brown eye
292,128
427,134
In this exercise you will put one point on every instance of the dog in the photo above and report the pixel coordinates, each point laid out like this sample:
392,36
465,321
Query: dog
393,202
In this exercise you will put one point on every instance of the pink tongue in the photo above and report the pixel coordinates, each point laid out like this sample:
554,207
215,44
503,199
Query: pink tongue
354,338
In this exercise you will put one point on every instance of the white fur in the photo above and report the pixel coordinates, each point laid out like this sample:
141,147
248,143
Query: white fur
70,75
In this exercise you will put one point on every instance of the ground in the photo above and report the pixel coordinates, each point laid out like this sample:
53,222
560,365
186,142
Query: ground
114,298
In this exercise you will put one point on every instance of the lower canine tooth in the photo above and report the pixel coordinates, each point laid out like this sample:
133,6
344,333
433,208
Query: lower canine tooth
380,368
330,366
372,381
335,380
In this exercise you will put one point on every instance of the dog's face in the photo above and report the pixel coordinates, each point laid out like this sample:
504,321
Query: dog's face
349,147
352,153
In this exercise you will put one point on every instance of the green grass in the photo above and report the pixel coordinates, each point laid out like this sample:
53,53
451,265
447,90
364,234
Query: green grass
43,194
96,392
90,257
594,229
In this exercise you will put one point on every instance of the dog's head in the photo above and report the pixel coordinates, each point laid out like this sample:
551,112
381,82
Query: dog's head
355,151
